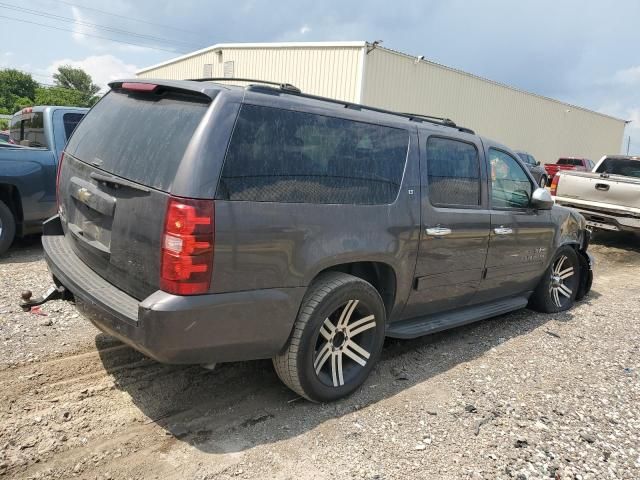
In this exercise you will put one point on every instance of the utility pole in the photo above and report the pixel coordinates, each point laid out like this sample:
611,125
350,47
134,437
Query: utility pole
628,143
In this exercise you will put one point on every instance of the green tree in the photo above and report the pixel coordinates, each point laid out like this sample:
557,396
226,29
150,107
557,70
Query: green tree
17,90
61,96
77,79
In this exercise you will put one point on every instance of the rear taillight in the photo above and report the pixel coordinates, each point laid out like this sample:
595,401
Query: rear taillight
187,246
58,180
554,185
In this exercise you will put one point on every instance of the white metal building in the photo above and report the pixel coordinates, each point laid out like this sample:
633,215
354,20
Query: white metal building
372,75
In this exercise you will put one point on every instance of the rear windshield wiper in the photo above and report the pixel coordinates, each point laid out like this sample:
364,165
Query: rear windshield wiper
117,182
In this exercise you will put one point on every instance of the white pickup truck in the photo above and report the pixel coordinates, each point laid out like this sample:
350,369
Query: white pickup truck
608,197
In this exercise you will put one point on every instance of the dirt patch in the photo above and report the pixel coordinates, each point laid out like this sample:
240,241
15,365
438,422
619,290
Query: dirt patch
521,396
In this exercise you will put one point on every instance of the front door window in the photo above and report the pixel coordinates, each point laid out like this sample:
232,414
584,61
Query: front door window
510,185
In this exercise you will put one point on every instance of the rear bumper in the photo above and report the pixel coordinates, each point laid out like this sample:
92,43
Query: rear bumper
604,221
178,329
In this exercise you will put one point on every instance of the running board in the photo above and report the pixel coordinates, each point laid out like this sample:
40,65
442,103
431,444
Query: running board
417,327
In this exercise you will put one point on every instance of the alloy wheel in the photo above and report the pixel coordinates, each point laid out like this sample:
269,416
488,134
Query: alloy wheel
344,344
563,281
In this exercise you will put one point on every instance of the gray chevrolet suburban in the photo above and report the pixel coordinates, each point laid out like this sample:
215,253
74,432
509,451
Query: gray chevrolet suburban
200,222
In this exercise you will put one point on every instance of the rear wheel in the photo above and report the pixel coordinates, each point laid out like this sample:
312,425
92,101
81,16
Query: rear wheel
7,227
336,340
559,285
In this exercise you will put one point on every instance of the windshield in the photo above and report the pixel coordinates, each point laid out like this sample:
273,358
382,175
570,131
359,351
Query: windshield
620,166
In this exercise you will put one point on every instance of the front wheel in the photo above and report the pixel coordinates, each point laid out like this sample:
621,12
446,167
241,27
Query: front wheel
559,285
336,340
7,227
543,181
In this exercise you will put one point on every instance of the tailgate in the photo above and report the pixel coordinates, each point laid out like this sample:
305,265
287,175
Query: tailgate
591,187
115,180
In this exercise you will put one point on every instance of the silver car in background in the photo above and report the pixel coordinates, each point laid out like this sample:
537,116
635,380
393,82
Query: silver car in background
536,169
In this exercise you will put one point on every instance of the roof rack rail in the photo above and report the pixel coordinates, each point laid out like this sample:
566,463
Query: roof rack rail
283,86
446,121
287,87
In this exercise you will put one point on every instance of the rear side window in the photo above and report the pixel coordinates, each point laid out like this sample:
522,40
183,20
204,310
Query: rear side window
139,137
453,170
284,156
70,122
28,130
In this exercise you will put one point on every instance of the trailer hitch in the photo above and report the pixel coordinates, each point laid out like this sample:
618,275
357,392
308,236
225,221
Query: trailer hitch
52,293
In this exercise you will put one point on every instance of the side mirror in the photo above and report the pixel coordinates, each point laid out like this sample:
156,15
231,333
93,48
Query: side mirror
541,199
537,163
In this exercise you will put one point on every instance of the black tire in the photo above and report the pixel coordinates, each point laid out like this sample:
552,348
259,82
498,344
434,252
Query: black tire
586,278
320,363
559,284
7,227
543,181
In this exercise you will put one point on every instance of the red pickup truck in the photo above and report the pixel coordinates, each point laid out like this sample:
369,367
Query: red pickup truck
568,163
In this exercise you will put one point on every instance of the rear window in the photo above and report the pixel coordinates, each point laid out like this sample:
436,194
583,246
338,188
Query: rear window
284,156
570,161
620,166
139,137
70,122
28,130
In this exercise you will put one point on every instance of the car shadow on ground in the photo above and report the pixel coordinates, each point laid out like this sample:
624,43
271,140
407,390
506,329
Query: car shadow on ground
623,240
241,405
23,250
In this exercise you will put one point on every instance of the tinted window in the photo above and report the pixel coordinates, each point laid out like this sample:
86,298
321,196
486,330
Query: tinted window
283,156
453,170
139,137
620,166
510,185
70,121
28,130
570,161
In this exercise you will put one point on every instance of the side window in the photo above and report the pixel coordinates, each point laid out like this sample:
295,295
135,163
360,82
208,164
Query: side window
510,186
453,172
70,121
285,156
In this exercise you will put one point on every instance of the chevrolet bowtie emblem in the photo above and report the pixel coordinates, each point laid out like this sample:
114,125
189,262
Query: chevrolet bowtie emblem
84,195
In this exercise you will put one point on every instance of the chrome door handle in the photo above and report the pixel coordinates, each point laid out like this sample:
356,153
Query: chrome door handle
503,231
438,231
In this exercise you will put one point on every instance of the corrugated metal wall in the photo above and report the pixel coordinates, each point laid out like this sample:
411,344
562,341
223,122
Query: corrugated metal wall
522,121
331,72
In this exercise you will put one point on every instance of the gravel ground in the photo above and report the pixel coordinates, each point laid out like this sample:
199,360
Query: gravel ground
521,396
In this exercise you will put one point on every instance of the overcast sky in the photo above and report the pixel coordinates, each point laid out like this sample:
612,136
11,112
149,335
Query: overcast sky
582,52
